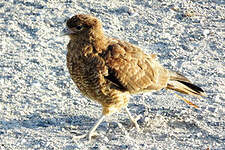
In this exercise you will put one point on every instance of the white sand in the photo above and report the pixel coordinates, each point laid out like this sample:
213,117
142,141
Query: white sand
41,108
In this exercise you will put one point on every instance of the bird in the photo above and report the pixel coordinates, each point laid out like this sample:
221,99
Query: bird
108,70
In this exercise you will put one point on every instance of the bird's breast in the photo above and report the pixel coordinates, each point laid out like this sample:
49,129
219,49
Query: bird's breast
88,74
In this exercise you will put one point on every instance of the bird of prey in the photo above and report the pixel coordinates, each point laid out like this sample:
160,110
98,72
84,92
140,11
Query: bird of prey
109,70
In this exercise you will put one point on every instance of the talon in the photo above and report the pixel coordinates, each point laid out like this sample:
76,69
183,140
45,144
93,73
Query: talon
79,137
91,132
133,121
136,125
88,136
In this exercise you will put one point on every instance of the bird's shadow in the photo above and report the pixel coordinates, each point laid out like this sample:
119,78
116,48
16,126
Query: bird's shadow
80,124
35,120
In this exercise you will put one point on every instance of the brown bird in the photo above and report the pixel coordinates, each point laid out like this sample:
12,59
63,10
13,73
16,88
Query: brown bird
108,70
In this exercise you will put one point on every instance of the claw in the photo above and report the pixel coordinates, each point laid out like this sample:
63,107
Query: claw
91,132
133,121
87,136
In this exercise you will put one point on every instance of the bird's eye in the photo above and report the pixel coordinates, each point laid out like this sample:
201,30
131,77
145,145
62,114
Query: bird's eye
78,27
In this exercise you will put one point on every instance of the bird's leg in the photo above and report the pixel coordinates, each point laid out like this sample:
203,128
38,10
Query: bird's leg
134,121
91,131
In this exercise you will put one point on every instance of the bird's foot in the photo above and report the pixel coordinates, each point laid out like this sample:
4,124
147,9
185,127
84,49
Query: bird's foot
134,123
133,120
88,136
91,133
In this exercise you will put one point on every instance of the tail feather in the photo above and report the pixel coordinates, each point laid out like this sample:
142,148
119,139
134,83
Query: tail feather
195,88
175,76
181,84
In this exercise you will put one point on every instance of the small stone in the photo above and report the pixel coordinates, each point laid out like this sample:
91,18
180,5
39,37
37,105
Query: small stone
206,32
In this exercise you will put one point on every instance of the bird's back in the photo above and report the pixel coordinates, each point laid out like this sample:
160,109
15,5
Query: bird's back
135,70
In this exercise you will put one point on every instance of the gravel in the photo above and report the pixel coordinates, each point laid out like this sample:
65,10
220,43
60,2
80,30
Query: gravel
41,108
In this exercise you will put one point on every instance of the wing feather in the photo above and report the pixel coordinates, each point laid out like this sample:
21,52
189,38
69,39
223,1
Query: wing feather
135,70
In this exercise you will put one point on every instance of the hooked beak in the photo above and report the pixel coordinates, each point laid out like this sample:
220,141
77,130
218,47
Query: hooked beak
66,31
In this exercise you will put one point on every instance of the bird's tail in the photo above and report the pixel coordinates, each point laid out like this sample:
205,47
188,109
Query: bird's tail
179,83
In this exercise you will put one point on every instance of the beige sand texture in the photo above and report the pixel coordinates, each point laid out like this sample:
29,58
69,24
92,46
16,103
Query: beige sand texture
41,108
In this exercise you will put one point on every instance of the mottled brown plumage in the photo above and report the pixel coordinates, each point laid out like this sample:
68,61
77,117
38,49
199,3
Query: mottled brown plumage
108,70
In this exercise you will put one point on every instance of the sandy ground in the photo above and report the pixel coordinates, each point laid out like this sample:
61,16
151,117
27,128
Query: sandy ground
41,108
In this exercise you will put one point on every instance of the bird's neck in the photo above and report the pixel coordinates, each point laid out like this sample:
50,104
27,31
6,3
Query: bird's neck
94,43
98,41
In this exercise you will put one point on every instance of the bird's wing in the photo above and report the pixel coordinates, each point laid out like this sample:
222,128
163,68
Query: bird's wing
129,67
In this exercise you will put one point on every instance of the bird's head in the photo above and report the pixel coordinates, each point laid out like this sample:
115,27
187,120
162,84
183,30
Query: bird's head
82,26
